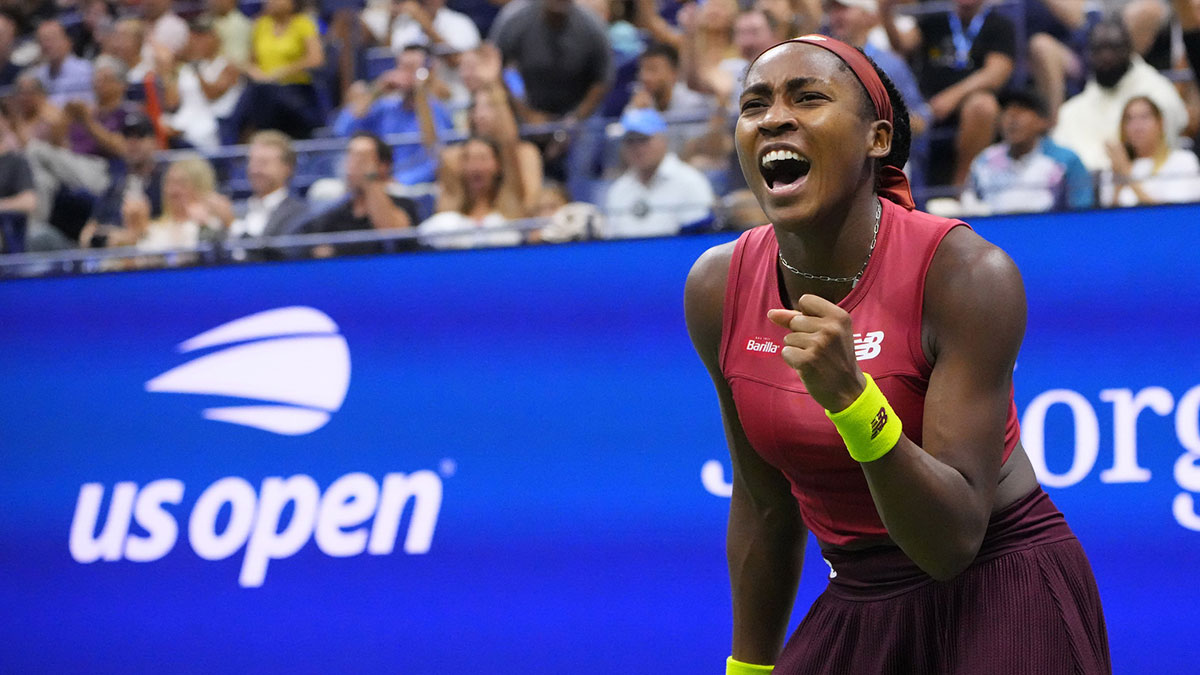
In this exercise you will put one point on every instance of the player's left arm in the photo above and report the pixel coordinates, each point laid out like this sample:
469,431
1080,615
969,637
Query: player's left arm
935,499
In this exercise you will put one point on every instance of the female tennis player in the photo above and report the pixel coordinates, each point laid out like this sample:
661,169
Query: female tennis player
863,353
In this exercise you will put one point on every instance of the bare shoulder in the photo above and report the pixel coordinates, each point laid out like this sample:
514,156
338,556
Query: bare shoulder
704,298
973,293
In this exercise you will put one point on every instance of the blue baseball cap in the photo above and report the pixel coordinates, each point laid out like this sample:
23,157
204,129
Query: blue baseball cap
641,122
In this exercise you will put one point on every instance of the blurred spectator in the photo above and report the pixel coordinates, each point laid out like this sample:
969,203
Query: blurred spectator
852,21
285,47
271,210
431,23
398,103
33,115
562,55
1092,118
477,68
1189,25
1057,30
709,66
64,75
658,77
963,58
88,35
371,205
203,90
96,129
794,17
346,39
1148,25
126,43
193,211
17,195
166,30
1027,172
8,39
564,220
233,29
67,181
488,188
492,117
29,13
1146,167
658,87
659,194
140,176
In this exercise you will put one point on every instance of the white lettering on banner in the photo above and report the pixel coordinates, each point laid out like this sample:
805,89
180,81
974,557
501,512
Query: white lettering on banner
160,526
86,548
254,519
1187,474
1087,436
1127,406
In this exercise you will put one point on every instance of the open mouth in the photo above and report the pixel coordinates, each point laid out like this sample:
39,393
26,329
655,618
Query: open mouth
781,168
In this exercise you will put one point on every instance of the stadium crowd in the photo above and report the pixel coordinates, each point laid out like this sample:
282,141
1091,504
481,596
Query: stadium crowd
164,126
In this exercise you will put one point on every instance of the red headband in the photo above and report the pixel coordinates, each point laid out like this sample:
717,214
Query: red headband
893,184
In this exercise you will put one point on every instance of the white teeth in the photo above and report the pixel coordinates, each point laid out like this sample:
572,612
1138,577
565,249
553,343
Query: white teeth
779,155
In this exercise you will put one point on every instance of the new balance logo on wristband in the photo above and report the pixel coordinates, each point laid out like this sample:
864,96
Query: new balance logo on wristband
879,422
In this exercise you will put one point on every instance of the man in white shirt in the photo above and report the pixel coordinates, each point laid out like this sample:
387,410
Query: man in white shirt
1086,121
659,194
431,23
270,210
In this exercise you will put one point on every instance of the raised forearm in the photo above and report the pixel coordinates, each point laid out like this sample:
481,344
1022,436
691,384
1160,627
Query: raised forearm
1071,13
942,530
22,202
382,211
991,77
646,17
111,142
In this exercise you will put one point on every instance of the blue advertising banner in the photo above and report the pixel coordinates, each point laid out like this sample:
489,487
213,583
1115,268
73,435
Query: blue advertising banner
508,461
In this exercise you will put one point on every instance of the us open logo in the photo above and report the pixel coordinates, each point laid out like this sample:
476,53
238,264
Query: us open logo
292,358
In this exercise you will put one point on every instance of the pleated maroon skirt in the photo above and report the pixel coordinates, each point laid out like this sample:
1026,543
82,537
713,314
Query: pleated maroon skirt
1028,604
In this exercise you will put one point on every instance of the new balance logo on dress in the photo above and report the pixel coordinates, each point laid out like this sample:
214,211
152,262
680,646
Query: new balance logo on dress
867,345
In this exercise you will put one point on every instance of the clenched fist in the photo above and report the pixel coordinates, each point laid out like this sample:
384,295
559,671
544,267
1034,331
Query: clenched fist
820,347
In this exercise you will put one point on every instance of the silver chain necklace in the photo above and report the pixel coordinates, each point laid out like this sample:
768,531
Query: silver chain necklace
841,280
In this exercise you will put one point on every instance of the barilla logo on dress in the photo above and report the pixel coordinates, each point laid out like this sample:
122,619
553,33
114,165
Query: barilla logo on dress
291,361
762,344
868,345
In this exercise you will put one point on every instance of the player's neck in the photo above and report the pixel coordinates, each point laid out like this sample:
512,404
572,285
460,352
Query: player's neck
834,244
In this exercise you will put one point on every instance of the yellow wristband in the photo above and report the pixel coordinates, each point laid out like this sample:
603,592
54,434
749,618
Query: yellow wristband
735,667
869,426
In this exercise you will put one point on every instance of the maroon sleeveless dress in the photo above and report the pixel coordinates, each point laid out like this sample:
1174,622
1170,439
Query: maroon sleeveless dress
1027,604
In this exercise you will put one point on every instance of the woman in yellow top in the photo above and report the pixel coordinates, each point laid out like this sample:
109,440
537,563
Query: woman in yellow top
285,47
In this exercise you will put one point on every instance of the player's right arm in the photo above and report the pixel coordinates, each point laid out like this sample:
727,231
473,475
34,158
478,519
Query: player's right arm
766,536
